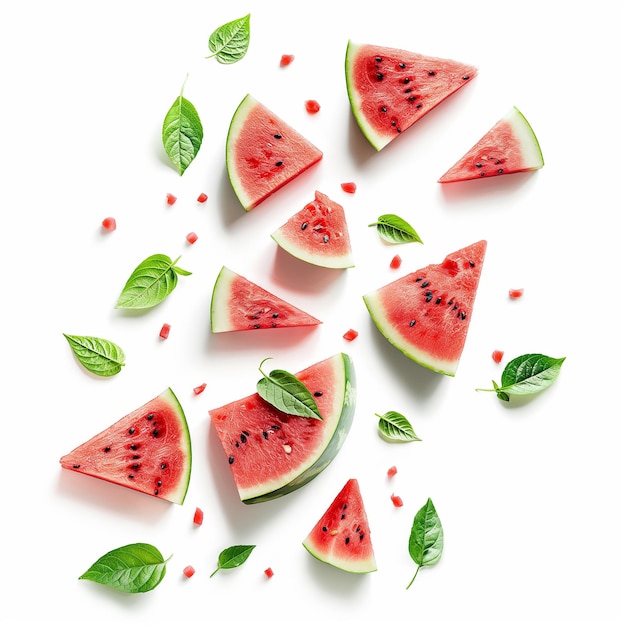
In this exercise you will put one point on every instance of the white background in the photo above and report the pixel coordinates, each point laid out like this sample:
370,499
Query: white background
529,494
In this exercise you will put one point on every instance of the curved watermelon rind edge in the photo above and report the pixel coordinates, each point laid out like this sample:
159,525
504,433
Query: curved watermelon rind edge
177,407
343,262
335,443
533,136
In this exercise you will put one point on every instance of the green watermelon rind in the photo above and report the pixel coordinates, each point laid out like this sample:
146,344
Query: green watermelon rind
346,409
387,329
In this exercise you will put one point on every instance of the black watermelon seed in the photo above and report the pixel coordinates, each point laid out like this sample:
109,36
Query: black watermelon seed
274,315
277,136
135,457
243,438
131,431
463,315
417,280
406,81
479,164
347,540
383,109
107,449
325,528
466,77
133,446
482,173
409,90
450,302
361,536
429,296
159,483
265,435
438,300
279,163
379,76
344,507
431,73
156,492
246,433
135,466
455,307
418,106
273,324
317,394
236,444
257,326
131,476
343,516
76,466
163,466
393,122
472,264
276,426
411,98
425,283
151,416
500,171
412,323
155,433
231,459
304,225
401,65
325,238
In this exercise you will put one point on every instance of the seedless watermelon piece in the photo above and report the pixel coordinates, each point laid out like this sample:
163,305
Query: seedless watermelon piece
342,536
318,234
270,453
426,314
240,304
263,153
391,89
509,147
148,450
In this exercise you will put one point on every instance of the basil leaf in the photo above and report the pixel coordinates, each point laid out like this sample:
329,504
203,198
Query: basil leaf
426,539
394,427
394,229
136,568
232,557
150,283
288,394
99,356
182,133
229,43
526,375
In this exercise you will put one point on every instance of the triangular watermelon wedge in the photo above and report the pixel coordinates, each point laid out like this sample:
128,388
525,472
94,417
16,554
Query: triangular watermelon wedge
342,536
148,450
391,89
240,304
426,314
263,153
509,147
318,234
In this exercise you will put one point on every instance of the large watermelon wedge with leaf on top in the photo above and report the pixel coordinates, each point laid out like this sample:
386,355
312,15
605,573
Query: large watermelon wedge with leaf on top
240,304
426,314
148,450
318,234
264,153
509,147
391,89
271,453
342,535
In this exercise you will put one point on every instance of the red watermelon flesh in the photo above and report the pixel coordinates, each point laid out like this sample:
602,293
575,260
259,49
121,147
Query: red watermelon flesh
148,450
270,453
342,536
263,153
391,89
318,234
509,147
240,304
426,314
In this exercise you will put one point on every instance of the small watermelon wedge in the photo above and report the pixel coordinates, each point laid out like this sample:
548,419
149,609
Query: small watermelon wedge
342,536
509,147
148,450
240,304
426,314
264,153
270,453
391,89
318,234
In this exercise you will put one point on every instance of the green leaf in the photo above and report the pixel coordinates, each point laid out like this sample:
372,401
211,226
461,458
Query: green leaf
150,283
182,133
394,427
232,557
136,568
426,539
229,43
527,374
394,229
288,394
99,356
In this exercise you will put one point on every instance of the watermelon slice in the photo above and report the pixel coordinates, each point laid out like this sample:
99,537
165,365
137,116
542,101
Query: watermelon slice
426,314
342,536
508,148
318,234
263,153
148,450
240,304
270,453
390,89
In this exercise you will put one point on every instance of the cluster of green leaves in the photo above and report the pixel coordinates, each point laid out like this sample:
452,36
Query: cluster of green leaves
527,374
182,131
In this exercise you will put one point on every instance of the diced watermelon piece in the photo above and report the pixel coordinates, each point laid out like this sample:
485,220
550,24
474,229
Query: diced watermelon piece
396,262
286,59
514,294
497,355
109,223
312,106
170,199
348,187
199,389
165,331
198,516
189,571
350,335
397,500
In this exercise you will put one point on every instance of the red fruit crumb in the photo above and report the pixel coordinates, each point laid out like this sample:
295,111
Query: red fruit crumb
312,106
203,197
397,501
392,471
348,187
395,262
515,293
199,389
189,571
192,238
198,516
268,572
286,60
497,355
170,199
165,331
350,335
109,223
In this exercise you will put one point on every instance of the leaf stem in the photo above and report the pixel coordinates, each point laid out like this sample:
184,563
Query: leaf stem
414,575
215,572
